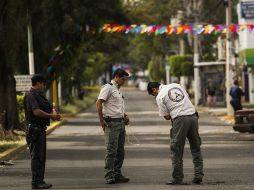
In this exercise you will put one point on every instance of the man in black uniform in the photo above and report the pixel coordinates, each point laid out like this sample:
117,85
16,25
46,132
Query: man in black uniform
38,115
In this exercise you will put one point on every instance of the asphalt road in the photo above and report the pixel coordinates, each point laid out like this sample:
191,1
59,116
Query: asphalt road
75,156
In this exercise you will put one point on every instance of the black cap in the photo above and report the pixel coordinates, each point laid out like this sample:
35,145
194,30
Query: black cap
38,78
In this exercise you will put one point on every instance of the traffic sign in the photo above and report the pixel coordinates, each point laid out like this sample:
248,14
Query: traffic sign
23,83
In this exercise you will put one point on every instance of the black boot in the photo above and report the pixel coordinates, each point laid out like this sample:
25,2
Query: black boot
122,179
41,186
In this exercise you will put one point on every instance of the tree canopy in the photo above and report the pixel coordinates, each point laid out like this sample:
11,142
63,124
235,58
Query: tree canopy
67,40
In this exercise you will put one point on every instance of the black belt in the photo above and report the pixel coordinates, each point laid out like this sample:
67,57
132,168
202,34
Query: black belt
108,119
35,129
36,126
184,116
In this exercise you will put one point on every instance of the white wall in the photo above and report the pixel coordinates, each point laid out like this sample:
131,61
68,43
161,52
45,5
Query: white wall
246,37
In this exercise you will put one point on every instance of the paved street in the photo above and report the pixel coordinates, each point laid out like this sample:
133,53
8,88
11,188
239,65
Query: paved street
75,156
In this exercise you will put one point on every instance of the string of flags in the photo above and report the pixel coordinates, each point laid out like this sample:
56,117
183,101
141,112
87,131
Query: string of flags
176,29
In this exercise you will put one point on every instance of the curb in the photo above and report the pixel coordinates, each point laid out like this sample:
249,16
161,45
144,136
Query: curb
228,119
54,125
11,153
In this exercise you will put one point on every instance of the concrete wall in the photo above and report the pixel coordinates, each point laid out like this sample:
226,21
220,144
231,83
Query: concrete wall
246,41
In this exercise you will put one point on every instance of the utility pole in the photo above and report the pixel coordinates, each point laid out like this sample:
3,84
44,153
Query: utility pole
228,5
167,68
30,44
181,44
196,59
59,89
181,40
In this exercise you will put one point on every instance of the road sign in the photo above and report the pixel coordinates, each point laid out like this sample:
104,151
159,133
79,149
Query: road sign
247,9
23,83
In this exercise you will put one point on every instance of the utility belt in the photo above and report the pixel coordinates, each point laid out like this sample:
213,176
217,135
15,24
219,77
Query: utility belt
35,128
195,114
109,119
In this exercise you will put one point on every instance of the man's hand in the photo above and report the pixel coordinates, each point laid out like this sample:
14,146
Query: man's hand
56,117
99,110
40,113
126,120
167,117
196,113
103,124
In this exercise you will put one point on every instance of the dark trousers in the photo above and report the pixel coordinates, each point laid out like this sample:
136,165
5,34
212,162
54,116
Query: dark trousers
37,146
236,104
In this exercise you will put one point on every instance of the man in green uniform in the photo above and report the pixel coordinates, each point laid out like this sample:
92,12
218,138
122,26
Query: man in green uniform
174,104
110,108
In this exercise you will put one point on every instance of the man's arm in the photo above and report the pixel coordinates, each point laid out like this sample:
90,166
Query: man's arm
163,110
99,103
39,113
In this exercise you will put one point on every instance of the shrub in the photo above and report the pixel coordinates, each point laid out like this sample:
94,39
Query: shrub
181,65
156,69
21,111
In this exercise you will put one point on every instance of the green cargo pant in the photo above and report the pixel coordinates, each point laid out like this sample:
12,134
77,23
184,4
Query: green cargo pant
182,127
114,140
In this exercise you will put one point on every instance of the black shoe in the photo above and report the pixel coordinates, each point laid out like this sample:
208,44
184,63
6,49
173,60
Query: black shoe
122,179
175,183
197,180
41,186
110,181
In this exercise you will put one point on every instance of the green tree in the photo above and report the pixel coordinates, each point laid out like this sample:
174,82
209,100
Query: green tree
181,65
143,47
61,24
96,64
139,51
156,68
11,14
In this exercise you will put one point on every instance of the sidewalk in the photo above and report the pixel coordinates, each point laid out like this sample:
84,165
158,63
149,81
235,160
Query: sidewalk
11,153
220,112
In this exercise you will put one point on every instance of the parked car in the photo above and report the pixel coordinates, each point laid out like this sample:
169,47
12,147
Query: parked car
244,121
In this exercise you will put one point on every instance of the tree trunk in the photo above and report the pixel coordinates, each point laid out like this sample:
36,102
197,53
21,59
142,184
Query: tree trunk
8,101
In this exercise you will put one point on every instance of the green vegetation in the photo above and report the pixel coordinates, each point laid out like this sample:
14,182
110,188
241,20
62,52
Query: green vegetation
21,112
7,145
67,42
156,68
181,65
76,105
247,56
10,139
248,105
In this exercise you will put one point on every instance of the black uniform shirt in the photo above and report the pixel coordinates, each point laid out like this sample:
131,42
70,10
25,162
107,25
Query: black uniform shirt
30,101
35,100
